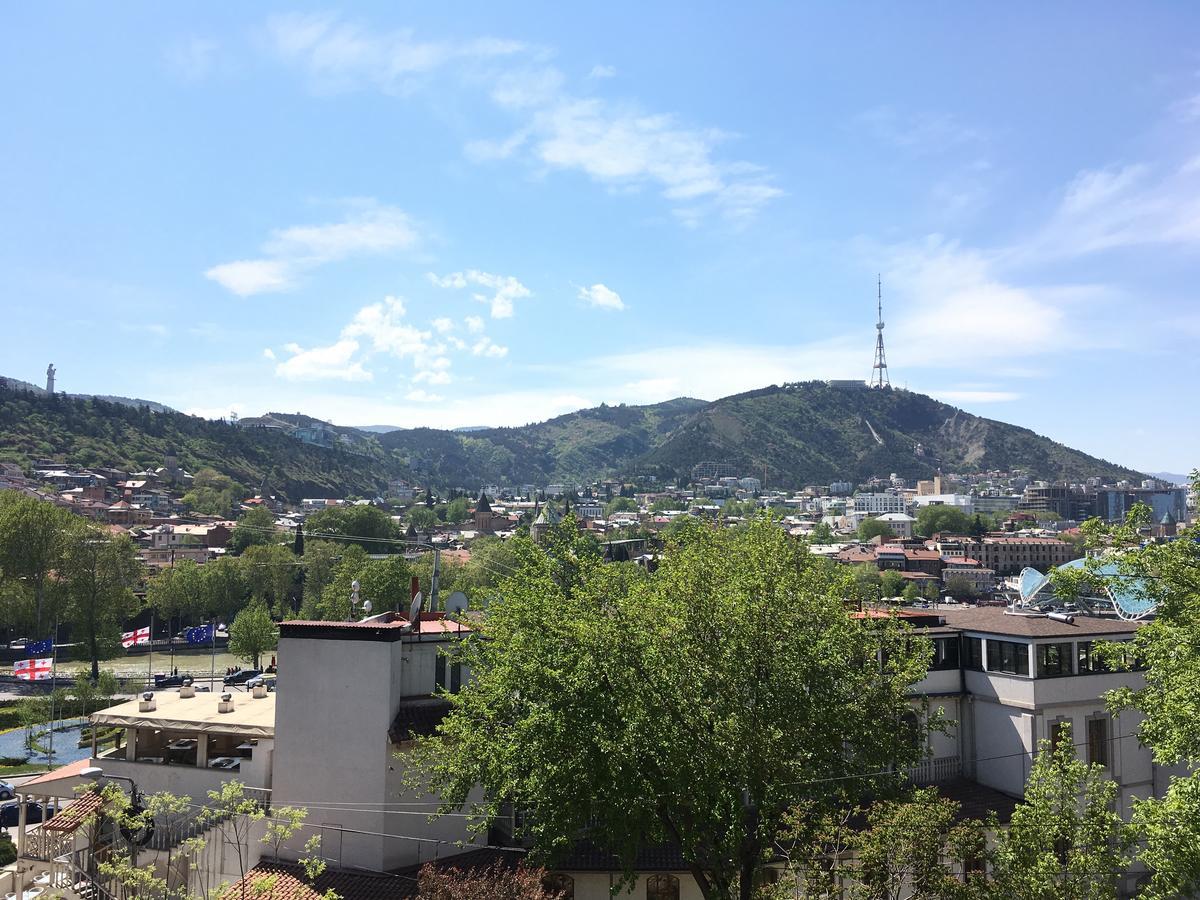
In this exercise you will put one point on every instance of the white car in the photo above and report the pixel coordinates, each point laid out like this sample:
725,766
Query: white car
7,791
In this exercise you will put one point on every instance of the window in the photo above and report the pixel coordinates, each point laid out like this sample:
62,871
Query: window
1089,659
945,654
662,887
559,886
973,653
910,730
1097,741
1053,660
1007,656
1060,731
439,672
455,678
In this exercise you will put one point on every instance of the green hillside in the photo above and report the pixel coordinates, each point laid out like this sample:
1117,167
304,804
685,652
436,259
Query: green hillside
798,434
812,433
93,432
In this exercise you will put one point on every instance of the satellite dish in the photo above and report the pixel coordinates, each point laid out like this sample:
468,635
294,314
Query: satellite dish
456,602
414,611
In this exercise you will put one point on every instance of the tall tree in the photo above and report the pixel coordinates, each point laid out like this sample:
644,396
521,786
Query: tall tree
223,587
98,574
255,527
368,526
936,518
270,572
696,705
177,592
253,633
873,528
1066,841
32,545
211,493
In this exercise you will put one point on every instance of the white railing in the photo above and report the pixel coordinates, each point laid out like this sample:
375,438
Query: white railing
935,770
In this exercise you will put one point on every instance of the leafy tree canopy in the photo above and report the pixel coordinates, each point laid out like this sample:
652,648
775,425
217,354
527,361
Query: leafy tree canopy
934,518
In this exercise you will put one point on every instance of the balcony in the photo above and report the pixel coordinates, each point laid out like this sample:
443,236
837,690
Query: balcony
935,770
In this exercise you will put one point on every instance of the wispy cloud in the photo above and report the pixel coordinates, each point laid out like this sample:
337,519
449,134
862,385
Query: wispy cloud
917,132
372,229
504,289
601,71
339,55
335,361
193,58
601,296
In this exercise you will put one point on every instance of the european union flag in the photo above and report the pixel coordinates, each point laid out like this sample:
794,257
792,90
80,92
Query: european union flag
201,634
36,648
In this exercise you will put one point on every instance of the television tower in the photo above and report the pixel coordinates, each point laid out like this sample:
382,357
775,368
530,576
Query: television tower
879,372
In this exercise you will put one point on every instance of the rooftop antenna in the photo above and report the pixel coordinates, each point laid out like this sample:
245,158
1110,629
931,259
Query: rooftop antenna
879,371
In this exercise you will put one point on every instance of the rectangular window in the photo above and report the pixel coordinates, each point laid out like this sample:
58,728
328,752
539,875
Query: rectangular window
1053,660
1007,656
439,672
973,653
945,654
455,678
1089,660
1060,731
1097,741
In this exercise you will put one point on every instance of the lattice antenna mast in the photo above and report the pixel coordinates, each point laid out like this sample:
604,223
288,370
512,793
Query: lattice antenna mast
879,372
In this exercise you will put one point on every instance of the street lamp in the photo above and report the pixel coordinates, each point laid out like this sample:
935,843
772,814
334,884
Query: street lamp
141,836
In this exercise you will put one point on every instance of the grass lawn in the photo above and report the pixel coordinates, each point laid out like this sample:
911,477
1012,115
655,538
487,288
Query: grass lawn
23,769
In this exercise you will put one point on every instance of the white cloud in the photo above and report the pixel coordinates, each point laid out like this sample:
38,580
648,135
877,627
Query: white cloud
335,361
600,71
419,395
338,55
381,324
600,296
253,276
443,325
474,324
505,289
485,346
268,353
429,376
372,229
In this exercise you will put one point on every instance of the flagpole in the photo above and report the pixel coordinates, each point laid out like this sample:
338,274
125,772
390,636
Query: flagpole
212,672
53,687
149,665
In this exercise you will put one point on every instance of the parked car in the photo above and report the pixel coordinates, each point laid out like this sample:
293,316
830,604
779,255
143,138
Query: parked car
7,791
10,813
241,676
166,681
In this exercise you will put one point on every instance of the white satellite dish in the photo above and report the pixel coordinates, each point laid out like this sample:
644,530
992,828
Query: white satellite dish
414,611
456,602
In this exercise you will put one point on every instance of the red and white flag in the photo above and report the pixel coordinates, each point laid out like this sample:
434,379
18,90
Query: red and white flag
33,669
141,636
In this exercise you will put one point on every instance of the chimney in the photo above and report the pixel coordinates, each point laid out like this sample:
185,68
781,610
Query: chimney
146,704
226,704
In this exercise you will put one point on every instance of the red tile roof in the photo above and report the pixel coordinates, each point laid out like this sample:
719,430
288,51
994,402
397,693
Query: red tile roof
78,813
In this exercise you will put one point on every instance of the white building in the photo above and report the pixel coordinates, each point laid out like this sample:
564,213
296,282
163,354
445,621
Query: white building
878,504
901,524
962,502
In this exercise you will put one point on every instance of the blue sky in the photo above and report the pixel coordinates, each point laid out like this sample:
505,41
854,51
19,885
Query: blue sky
394,214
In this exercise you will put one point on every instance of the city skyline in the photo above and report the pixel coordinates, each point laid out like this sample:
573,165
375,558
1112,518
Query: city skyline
494,218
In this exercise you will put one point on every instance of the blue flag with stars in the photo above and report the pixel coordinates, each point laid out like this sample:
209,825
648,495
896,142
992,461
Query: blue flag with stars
36,648
201,634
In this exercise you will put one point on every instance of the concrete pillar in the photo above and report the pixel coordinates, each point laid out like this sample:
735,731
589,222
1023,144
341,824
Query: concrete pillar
131,744
201,751
22,821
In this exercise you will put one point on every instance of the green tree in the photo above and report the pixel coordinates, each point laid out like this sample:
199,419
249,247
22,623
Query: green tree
667,504
1066,840
253,633
620,504
891,583
872,528
957,587
867,583
911,593
223,587
368,526
698,704
422,518
492,560
821,534
1168,646
176,593
256,527
212,493
457,510
32,545
936,518
270,572
98,574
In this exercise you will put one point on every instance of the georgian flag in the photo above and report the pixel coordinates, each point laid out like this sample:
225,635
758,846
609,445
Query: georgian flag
141,636
33,669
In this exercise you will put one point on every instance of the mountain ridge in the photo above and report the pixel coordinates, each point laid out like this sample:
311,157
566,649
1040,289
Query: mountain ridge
794,434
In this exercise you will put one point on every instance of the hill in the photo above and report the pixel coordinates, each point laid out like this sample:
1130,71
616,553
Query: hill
812,433
94,432
798,434
18,384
